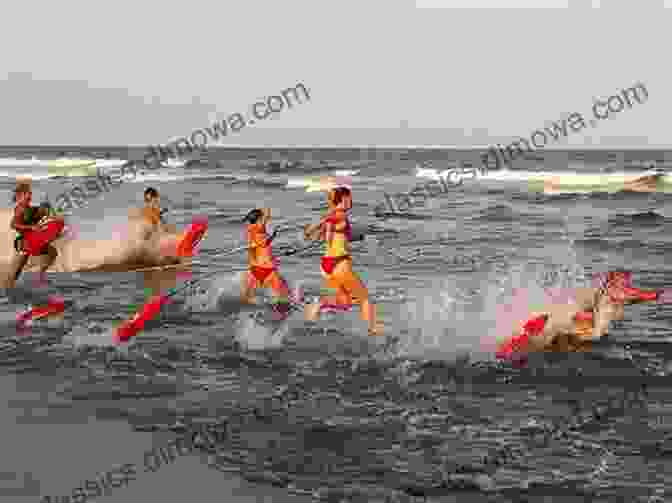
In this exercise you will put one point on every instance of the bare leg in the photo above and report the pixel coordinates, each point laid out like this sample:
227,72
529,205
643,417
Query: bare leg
18,262
52,254
343,297
280,288
369,314
247,290
355,286
312,312
281,294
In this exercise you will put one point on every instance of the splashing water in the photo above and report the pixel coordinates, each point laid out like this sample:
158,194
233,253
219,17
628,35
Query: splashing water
523,291
445,322
115,226
440,324
253,336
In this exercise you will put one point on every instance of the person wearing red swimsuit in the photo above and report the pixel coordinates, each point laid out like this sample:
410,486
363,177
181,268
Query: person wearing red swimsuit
28,219
263,271
613,291
570,326
336,265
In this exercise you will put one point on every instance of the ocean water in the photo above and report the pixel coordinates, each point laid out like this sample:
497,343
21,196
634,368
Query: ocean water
323,410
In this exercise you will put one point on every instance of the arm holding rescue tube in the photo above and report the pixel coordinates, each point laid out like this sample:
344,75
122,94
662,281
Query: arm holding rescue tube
17,222
316,231
605,311
312,231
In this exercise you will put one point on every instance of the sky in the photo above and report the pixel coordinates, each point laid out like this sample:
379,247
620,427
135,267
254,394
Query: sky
383,73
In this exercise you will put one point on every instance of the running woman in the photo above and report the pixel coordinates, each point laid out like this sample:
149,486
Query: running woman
263,266
336,266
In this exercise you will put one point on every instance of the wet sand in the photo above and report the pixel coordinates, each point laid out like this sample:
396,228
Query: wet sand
55,446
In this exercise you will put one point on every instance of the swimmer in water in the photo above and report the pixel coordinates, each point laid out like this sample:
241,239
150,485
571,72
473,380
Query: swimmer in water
336,266
263,267
569,326
26,219
604,303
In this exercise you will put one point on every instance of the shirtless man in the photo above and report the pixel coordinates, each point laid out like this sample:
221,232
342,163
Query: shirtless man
152,213
571,325
28,218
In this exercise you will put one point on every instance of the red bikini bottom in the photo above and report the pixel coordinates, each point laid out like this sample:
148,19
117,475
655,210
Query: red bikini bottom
330,263
261,273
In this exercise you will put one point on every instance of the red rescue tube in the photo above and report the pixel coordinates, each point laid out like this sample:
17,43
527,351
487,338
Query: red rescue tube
187,244
148,311
55,305
637,294
520,342
584,316
35,241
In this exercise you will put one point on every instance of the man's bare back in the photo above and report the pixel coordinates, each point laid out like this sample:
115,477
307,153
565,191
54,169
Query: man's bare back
584,314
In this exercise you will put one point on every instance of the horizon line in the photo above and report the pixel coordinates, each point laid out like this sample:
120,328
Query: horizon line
365,146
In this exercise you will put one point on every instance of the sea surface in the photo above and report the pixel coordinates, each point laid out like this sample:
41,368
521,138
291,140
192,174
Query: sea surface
327,412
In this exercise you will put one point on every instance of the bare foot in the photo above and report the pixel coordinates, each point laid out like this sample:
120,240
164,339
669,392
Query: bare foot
376,330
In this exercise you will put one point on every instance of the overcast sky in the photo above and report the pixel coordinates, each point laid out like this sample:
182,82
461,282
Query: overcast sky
378,72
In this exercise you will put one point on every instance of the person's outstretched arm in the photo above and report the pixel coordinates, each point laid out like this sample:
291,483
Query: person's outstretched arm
635,295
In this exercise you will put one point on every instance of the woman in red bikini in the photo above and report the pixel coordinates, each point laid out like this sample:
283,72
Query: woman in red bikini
336,263
263,270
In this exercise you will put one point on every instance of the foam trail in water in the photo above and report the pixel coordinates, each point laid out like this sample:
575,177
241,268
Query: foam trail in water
92,335
109,226
220,293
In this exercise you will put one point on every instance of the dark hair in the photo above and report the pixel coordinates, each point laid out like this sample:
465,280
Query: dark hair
151,193
22,187
338,194
253,216
615,274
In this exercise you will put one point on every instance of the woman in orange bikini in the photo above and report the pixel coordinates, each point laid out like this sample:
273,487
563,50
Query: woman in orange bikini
336,264
263,270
